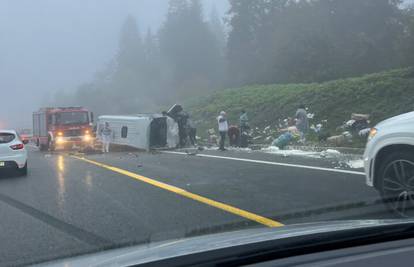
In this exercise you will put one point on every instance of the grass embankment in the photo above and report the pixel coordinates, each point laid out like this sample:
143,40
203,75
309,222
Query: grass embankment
381,95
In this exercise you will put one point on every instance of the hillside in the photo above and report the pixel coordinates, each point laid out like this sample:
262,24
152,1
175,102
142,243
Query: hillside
382,95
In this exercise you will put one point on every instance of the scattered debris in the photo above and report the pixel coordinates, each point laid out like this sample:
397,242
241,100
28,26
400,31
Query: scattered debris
283,140
285,153
339,140
364,132
190,153
356,164
332,152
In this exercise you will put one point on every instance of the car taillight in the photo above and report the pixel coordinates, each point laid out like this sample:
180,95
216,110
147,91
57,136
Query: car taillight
17,147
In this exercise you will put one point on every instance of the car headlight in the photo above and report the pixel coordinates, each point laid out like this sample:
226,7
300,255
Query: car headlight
60,140
87,138
372,133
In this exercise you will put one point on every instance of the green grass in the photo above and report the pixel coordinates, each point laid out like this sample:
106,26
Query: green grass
382,95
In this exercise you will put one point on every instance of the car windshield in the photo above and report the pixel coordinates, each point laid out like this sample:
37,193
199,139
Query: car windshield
151,121
65,118
6,138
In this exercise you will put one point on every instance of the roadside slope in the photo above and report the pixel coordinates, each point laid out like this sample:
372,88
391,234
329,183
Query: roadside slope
382,95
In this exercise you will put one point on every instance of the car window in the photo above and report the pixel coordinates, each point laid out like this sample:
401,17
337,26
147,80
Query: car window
6,138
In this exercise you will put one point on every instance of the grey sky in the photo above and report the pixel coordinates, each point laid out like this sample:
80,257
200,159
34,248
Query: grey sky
49,45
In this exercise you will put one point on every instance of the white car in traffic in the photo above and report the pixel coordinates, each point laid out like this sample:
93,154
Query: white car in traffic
13,154
389,162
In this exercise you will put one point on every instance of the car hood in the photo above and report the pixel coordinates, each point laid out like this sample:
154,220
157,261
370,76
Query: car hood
400,119
144,254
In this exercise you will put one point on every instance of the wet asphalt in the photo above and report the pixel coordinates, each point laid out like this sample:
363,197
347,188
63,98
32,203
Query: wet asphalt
67,206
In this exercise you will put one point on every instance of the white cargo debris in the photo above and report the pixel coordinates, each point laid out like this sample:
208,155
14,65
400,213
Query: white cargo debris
332,152
364,132
350,123
356,164
285,153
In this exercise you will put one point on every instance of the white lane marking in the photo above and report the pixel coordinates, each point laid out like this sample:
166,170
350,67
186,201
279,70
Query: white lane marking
270,163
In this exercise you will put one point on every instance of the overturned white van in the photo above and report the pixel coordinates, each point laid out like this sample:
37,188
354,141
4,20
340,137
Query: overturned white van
142,131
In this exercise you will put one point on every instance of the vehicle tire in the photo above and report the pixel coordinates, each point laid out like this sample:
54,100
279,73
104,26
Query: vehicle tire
396,183
23,171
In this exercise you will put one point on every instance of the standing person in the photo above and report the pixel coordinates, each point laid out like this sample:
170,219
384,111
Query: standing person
192,131
223,127
173,139
181,118
106,134
244,120
302,122
244,126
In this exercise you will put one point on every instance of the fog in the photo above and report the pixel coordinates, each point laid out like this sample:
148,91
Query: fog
100,53
48,45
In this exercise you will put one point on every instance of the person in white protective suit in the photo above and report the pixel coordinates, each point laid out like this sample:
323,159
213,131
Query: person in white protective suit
106,136
173,138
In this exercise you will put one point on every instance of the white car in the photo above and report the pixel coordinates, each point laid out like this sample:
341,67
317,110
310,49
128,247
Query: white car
13,154
389,162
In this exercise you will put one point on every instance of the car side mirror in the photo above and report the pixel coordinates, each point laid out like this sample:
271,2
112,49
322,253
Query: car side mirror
25,141
92,118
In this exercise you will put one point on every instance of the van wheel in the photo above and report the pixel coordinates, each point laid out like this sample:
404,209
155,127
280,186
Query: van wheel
396,183
23,171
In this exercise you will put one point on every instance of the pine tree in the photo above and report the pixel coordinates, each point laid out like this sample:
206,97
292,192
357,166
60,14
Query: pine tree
189,48
131,50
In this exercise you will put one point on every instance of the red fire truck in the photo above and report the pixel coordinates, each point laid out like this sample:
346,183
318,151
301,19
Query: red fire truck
62,127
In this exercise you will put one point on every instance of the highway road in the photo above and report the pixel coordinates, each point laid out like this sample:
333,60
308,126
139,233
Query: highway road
72,203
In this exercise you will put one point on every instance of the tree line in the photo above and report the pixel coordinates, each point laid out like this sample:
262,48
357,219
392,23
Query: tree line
257,42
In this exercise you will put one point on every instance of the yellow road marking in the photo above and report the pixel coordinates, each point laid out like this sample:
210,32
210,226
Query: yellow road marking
182,192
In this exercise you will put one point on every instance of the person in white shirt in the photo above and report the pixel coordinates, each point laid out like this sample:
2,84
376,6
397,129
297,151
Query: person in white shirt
106,135
173,138
223,127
